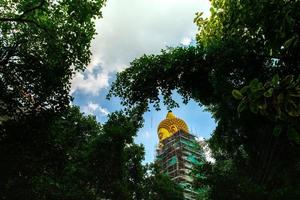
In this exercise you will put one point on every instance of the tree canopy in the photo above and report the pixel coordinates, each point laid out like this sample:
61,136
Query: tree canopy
42,44
245,70
49,149
72,156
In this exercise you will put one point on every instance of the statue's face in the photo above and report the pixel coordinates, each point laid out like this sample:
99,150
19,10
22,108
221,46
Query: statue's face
163,134
173,129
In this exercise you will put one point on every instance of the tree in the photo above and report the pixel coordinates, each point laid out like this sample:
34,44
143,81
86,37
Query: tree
65,174
42,44
72,156
114,167
238,52
160,186
48,149
44,158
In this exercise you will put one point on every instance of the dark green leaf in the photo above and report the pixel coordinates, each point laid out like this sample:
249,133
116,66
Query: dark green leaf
268,93
288,43
242,106
255,85
294,135
275,80
277,130
253,108
237,94
244,89
287,80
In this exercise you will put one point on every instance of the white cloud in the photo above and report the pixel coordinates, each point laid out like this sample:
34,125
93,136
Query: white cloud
94,109
91,83
103,111
131,28
92,106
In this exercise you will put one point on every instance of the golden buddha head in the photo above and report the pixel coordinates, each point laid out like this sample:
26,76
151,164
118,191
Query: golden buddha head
170,125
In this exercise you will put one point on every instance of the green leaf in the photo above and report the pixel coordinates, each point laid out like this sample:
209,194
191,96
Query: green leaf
255,85
244,89
277,130
291,107
237,94
263,106
287,80
275,80
254,108
294,135
298,79
288,43
268,93
241,106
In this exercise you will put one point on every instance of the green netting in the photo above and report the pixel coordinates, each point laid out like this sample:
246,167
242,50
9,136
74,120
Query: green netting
200,176
172,161
192,144
200,163
188,143
193,159
184,185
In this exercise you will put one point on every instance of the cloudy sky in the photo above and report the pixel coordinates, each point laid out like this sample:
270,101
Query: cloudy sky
129,29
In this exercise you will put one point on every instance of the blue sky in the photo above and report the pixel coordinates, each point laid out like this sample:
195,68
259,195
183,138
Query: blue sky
129,29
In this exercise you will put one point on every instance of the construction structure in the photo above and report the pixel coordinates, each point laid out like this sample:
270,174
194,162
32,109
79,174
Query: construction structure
178,152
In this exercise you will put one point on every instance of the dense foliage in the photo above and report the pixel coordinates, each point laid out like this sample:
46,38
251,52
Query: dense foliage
245,71
72,156
48,149
42,44
160,186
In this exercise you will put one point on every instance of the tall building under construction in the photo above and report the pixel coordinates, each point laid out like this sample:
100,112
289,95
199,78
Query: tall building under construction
178,152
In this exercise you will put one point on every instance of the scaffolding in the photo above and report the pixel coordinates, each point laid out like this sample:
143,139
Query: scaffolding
178,155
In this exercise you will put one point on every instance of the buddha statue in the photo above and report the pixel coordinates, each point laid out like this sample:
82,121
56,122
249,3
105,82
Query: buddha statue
169,126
